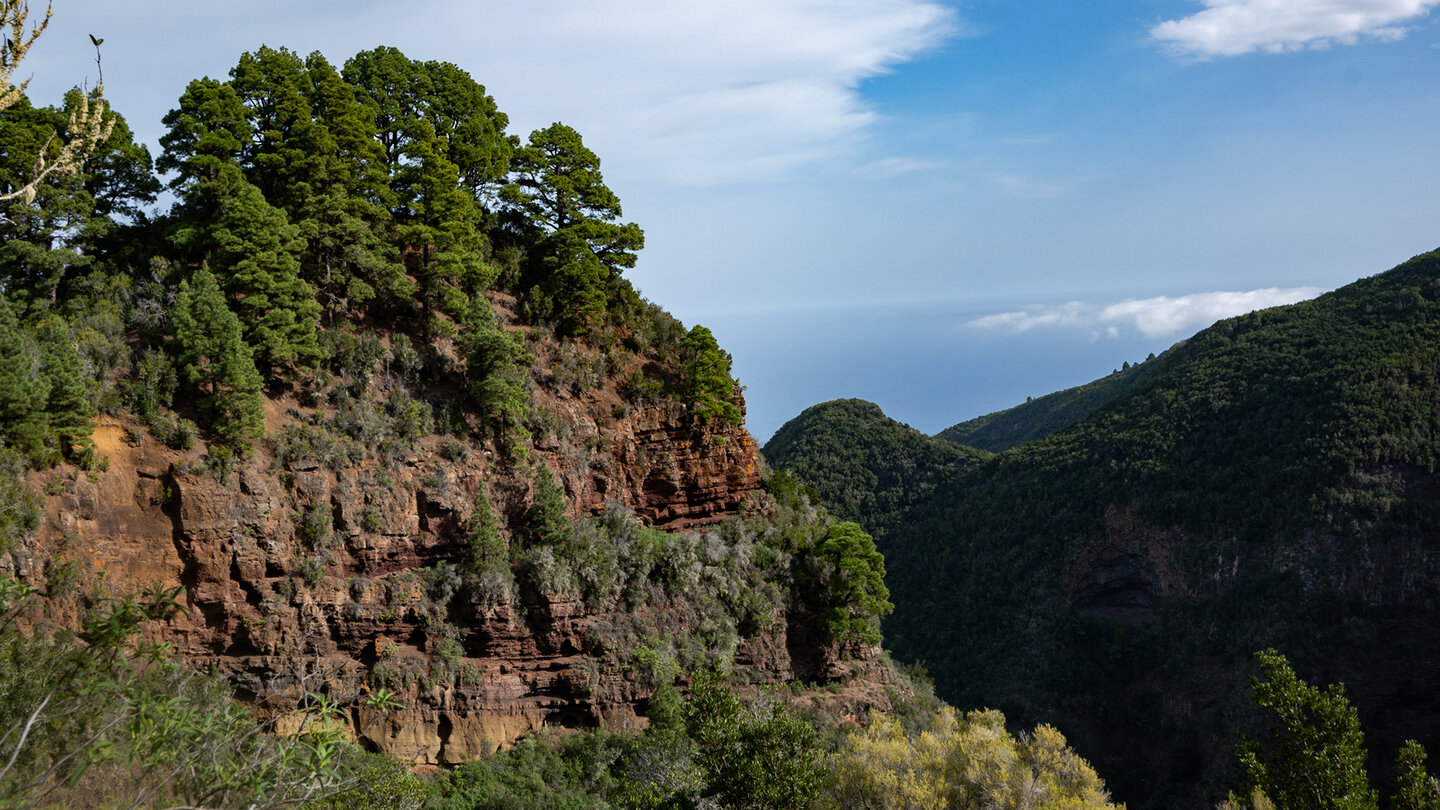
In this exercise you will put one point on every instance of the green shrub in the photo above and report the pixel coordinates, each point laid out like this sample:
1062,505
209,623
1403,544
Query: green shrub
315,528
150,387
404,358
316,442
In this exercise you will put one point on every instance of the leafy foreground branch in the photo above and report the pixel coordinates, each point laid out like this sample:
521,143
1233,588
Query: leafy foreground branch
1314,754
87,126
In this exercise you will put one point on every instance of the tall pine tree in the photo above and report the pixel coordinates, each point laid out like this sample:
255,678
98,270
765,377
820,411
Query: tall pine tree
215,359
71,414
256,250
23,390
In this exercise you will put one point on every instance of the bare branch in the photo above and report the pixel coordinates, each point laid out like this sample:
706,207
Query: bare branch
88,126
13,16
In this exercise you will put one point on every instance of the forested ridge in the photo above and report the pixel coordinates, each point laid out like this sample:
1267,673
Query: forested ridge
368,297
1041,416
1268,483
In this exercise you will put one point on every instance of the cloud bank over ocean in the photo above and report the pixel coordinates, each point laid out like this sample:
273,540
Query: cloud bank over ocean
1151,317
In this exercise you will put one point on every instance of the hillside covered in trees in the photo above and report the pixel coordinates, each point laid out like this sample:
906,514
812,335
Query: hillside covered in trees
1040,416
1268,483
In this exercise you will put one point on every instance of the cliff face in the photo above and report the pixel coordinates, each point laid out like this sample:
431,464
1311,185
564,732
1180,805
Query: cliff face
299,577
674,472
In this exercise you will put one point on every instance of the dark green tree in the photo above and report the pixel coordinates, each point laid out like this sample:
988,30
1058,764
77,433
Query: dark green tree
256,253
557,184
287,147
549,515
560,196
71,414
571,282
37,249
442,235
215,359
444,143
23,388
120,176
853,573
349,258
436,103
488,550
315,156
496,369
75,219
1316,756
209,130
706,385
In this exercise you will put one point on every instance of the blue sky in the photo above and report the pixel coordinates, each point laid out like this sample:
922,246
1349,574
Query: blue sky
941,207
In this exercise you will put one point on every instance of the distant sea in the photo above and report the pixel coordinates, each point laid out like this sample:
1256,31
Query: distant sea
922,365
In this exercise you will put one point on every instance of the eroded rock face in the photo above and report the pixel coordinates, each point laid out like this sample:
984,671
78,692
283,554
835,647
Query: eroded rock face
1128,574
300,578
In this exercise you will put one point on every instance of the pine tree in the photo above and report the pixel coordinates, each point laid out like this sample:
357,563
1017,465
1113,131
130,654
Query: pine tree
559,192
854,577
496,368
23,390
215,359
256,251
208,131
707,386
442,233
348,258
549,516
71,413
487,548
315,157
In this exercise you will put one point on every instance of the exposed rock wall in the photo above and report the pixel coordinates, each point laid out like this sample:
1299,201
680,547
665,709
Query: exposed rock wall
282,608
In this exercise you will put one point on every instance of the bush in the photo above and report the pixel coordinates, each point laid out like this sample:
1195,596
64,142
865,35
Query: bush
151,386
313,442
315,527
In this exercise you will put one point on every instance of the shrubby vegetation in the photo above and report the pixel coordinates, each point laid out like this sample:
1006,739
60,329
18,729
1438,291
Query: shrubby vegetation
99,719
969,761
1313,752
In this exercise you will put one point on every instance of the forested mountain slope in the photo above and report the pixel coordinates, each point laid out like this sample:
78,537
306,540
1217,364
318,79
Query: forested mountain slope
1042,416
1270,482
869,467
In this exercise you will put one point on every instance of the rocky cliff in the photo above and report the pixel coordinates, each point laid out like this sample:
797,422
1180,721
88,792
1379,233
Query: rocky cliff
346,579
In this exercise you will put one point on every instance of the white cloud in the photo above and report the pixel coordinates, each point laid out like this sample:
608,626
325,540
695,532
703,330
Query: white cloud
1234,27
892,167
707,92
1151,317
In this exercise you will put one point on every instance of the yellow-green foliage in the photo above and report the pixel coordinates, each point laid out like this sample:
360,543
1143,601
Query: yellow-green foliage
1256,801
961,762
